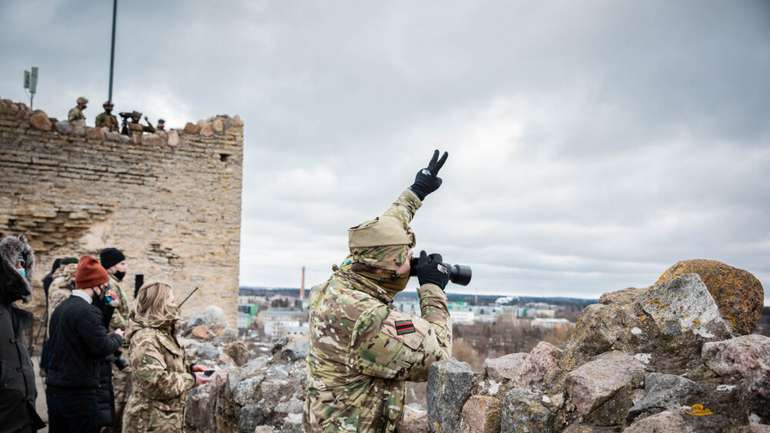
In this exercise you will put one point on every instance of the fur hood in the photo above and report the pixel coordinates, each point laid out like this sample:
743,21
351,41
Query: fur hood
12,285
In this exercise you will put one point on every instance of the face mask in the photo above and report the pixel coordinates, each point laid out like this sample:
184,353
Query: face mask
119,275
22,272
395,284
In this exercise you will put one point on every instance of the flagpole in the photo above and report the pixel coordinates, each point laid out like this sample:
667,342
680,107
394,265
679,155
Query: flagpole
112,47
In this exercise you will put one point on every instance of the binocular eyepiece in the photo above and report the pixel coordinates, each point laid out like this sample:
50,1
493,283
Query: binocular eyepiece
458,274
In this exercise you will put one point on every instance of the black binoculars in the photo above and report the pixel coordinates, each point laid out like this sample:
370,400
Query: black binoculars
458,274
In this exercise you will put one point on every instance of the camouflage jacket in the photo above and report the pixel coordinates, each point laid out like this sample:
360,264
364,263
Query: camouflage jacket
75,114
121,315
104,120
61,286
362,350
160,378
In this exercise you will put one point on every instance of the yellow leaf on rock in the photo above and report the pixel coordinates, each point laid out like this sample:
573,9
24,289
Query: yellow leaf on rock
699,410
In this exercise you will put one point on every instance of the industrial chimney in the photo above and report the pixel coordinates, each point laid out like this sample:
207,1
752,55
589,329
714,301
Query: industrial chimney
302,286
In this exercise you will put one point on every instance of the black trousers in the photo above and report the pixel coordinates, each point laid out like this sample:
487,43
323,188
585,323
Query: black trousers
72,410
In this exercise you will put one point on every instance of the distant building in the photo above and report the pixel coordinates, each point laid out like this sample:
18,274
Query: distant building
277,322
462,317
550,323
508,300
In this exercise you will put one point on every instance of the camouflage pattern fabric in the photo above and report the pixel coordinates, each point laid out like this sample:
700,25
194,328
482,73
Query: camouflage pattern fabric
60,287
121,315
389,257
121,380
104,120
362,350
76,114
160,378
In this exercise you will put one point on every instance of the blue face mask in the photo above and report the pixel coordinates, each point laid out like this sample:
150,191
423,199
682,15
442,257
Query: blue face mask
22,272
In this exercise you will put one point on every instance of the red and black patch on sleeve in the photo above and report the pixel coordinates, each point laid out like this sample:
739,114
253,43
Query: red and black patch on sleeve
404,327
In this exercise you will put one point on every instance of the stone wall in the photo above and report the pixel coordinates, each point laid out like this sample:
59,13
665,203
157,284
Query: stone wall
170,200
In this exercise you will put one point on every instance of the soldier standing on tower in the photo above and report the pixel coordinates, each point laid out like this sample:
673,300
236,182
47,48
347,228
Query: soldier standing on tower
75,116
106,119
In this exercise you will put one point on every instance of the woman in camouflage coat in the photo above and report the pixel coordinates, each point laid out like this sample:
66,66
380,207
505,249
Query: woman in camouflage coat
160,377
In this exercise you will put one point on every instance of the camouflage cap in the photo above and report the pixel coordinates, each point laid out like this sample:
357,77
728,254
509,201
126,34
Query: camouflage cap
381,231
82,100
383,242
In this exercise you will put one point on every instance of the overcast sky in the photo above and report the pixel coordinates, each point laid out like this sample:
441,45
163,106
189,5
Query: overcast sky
592,144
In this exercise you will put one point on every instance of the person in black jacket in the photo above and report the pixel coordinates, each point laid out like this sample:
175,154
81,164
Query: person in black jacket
17,377
79,380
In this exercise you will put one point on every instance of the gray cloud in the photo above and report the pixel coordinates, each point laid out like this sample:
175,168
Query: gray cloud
592,144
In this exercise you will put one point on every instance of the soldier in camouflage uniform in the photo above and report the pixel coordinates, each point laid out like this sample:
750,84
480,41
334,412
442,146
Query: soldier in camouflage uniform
62,285
106,119
362,350
75,116
160,376
114,261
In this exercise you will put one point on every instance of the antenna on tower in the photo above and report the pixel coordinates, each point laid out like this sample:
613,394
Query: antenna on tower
30,84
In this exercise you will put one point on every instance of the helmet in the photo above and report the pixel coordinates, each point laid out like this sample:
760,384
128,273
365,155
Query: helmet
82,100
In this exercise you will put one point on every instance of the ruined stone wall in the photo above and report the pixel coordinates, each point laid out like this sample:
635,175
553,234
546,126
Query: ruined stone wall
171,200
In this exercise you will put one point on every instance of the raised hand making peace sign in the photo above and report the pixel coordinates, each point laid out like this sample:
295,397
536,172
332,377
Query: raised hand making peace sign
427,179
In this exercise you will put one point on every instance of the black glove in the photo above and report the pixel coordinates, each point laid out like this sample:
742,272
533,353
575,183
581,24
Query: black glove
427,179
430,269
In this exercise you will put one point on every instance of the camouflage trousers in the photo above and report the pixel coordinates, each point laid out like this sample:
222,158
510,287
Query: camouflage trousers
121,383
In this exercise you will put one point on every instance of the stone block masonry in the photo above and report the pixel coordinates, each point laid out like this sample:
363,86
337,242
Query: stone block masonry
171,200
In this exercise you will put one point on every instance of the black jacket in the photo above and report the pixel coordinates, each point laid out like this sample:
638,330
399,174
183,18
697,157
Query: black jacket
78,346
17,377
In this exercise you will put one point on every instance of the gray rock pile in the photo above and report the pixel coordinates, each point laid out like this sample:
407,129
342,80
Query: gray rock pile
660,359
258,385
266,394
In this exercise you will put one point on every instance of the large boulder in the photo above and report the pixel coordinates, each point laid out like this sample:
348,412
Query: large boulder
606,327
481,414
541,365
538,367
662,392
238,351
523,411
664,422
39,120
450,383
602,390
683,305
747,356
738,293
63,127
191,128
507,367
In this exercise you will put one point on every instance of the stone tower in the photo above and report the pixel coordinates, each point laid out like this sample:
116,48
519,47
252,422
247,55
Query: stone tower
170,200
